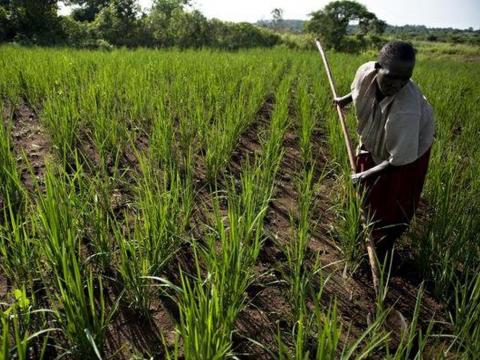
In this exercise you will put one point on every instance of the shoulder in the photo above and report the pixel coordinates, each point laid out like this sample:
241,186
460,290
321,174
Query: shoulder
409,100
364,72
368,66
366,69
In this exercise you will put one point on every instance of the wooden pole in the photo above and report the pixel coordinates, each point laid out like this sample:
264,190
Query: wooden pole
341,115
372,256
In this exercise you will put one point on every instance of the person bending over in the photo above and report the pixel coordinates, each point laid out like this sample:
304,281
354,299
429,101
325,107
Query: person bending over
396,130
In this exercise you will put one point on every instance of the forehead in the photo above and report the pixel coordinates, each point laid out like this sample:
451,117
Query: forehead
398,67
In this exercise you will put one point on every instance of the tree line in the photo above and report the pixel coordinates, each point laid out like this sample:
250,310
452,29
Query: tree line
342,25
423,33
109,23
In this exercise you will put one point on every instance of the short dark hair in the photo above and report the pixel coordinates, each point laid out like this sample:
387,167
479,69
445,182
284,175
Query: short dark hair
399,50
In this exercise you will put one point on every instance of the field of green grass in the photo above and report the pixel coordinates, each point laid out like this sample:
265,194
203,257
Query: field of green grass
197,205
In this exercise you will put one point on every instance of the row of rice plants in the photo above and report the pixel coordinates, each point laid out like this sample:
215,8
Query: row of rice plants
212,97
11,189
211,300
448,243
161,196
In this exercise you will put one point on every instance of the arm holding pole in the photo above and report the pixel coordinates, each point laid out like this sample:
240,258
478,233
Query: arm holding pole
365,174
343,101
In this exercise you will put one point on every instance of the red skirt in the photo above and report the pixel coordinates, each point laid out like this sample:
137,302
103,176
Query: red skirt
391,197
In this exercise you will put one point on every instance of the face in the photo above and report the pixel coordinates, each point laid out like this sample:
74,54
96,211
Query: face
393,76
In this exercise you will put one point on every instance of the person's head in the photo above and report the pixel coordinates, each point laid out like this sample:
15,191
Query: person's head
395,66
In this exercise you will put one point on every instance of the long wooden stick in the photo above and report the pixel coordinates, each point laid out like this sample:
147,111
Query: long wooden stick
372,257
340,113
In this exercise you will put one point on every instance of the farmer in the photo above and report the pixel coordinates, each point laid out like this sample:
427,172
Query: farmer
396,130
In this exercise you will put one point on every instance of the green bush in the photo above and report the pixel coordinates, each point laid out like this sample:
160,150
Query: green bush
4,24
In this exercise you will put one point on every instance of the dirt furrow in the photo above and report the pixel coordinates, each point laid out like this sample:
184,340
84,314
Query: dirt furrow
30,142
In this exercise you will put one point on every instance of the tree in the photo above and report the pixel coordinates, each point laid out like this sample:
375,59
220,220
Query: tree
277,18
233,36
331,23
88,9
118,23
159,22
4,24
30,20
189,29
169,6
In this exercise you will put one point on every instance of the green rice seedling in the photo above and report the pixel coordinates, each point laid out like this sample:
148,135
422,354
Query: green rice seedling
316,333
160,203
81,310
413,342
306,118
205,322
209,305
107,126
16,323
351,230
58,217
162,139
99,219
272,147
165,204
134,271
444,242
81,315
368,343
62,120
296,249
324,329
11,189
17,248
329,330
239,113
465,316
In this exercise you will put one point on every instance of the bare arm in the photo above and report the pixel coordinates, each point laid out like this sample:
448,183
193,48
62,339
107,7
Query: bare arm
344,100
374,170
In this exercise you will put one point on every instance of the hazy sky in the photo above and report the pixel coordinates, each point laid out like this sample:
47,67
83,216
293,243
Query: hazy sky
437,13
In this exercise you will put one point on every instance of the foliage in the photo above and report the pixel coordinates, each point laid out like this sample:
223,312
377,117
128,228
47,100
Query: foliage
331,23
167,7
117,23
30,21
88,9
423,33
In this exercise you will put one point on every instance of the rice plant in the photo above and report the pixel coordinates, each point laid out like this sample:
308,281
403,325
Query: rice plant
11,188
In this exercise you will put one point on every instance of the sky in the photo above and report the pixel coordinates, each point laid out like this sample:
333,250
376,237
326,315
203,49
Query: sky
433,13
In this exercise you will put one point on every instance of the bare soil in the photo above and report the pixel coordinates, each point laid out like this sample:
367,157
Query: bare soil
30,142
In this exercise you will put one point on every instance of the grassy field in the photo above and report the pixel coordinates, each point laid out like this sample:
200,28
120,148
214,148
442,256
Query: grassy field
196,205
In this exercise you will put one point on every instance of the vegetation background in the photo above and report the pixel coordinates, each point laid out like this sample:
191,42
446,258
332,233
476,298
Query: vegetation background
343,25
